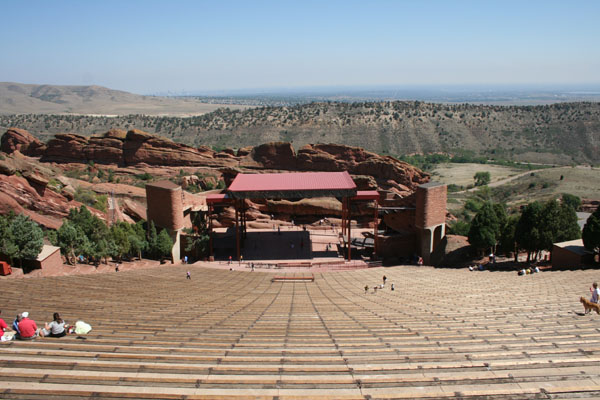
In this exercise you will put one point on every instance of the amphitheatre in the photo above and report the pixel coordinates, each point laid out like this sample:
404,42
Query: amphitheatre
442,333
274,326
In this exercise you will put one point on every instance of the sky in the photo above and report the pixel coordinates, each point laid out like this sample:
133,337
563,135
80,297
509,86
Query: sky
149,47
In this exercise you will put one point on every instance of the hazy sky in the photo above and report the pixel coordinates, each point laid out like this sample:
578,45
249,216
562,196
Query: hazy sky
156,46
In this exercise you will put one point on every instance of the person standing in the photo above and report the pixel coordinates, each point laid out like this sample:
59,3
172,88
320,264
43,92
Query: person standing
384,279
595,293
188,275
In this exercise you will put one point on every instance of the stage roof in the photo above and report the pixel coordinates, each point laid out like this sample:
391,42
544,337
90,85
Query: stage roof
292,185
366,195
217,198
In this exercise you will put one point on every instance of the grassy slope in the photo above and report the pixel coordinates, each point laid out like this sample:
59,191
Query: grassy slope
562,133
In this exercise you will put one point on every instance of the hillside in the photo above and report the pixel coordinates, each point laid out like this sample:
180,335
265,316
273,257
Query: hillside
561,133
18,98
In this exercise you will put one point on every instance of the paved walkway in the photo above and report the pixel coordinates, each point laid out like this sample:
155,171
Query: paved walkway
236,334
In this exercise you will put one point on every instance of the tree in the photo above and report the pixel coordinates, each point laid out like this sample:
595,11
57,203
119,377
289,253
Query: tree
507,236
7,244
571,200
27,237
99,242
558,223
485,228
591,232
569,226
164,244
72,241
197,239
137,239
459,228
549,224
120,236
152,239
482,178
527,234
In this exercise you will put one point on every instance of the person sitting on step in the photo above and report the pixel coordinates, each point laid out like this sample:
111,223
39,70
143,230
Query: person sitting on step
57,328
28,330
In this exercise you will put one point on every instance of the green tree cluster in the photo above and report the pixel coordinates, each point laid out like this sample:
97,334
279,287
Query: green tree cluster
541,225
84,234
20,238
537,228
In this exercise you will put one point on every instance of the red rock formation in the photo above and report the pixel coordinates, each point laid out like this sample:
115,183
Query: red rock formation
355,160
275,155
49,209
138,147
142,147
20,140
66,147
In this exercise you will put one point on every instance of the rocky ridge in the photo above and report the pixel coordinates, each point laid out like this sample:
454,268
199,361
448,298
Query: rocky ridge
560,133
137,147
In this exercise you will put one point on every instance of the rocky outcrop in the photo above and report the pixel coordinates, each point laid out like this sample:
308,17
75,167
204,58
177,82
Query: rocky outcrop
276,155
20,140
386,170
131,148
142,147
66,147
137,147
47,208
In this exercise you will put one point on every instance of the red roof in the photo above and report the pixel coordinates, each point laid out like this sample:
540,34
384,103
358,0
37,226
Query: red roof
217,198
292,181
366,195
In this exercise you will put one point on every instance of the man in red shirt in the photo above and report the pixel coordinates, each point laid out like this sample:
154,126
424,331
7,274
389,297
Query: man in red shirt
3,326
27,328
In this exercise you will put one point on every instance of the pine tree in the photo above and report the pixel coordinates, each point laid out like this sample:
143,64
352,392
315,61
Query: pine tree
527,234
164,244
152,239
591,232
485,228
27,236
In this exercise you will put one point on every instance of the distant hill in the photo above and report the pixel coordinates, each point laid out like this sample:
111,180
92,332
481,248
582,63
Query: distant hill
19,98
561,133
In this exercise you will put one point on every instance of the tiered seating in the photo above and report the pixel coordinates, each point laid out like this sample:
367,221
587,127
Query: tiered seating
236,334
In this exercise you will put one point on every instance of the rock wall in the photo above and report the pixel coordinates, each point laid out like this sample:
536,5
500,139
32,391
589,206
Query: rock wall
20,140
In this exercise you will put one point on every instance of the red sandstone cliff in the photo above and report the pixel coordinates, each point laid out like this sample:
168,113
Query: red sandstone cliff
20,140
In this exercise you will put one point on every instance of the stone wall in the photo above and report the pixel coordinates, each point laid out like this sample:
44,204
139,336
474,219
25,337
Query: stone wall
431,205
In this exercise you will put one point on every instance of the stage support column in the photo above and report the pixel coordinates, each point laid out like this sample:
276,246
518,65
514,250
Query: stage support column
210,231
376,223
237,230
349,208
343,213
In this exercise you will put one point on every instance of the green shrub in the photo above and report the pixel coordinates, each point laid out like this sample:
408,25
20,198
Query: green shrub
459,228
145,176
91,199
